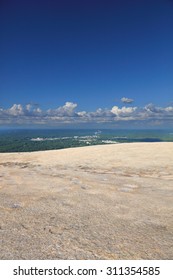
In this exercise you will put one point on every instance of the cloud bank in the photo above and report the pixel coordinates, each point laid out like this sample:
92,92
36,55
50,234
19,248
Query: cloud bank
30,114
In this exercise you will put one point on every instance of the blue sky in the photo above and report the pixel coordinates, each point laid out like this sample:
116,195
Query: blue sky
86,63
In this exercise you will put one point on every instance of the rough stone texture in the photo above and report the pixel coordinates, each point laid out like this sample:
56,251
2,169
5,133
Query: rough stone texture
99,202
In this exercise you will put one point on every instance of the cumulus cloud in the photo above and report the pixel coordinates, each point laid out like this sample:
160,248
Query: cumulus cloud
154,110
169,109
28,107
82,114
67,110
16,110
68,114
126,100
123,111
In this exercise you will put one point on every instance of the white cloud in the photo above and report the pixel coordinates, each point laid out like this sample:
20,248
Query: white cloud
28,107
67,110
126,100
123,111
82,114
68,114
37,111
16,110
154,110
169,109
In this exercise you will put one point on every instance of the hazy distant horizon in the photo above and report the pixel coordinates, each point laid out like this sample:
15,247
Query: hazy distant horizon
28,140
